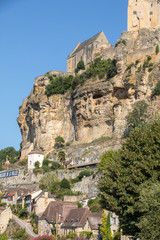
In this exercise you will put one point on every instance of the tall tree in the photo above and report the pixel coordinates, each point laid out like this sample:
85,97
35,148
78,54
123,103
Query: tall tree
105,228
136,163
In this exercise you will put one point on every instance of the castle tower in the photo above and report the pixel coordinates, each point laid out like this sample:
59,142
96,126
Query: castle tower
143,14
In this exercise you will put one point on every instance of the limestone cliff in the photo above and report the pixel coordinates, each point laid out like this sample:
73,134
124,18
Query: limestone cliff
99,107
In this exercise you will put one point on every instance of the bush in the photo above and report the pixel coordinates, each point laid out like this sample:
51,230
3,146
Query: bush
120,41
65,184
156,90
44,237
79,204
80,66
55,165
86,234
59,142
71,235
85,173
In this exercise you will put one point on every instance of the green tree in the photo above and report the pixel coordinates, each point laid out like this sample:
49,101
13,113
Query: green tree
80,66
13,155
105,228
149,206
138,116
48,180
65,184
136,163
61,157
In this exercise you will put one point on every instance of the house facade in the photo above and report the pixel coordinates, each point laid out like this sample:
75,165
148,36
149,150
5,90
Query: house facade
87,51
54,216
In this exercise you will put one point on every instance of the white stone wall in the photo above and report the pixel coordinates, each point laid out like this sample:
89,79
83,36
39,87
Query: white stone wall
32,158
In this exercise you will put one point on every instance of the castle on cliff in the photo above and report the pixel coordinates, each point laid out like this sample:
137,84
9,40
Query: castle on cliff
141,14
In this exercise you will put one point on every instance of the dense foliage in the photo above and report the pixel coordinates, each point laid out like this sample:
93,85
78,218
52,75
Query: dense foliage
138,115
125,172
47,166
59,142
149,206
99,67
61,188
9,153
80,66
94,205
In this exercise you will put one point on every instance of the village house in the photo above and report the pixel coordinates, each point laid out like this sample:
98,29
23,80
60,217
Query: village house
41,202
87,51
29,200
12,195
5,216
76,221
54,216
81,219
33,157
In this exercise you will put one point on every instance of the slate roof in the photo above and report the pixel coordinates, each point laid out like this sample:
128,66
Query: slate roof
76,218
57,207
84,44
95,220
20,191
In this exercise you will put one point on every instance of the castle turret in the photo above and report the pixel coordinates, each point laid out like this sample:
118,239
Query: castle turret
143,14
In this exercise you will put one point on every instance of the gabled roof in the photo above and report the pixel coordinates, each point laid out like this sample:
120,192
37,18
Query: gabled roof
57,207
20,191
95,220
76,218
85,43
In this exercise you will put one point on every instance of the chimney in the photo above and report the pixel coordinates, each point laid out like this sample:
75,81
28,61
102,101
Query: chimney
46,195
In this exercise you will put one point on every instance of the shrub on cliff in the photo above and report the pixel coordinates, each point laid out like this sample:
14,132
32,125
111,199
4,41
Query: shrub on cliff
65,184
80,66
59,142
99,67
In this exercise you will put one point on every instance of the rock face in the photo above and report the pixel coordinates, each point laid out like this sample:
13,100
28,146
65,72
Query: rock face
99,107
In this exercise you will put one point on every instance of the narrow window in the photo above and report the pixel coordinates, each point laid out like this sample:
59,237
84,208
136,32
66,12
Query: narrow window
134,12
151,13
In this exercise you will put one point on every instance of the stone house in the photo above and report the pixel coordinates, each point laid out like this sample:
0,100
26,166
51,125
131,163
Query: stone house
87,51
12,195
34,156
81,219
143,14
5,216
41,202
76,221
54,216
30,199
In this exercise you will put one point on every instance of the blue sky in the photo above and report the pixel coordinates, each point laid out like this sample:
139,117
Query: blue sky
36,36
